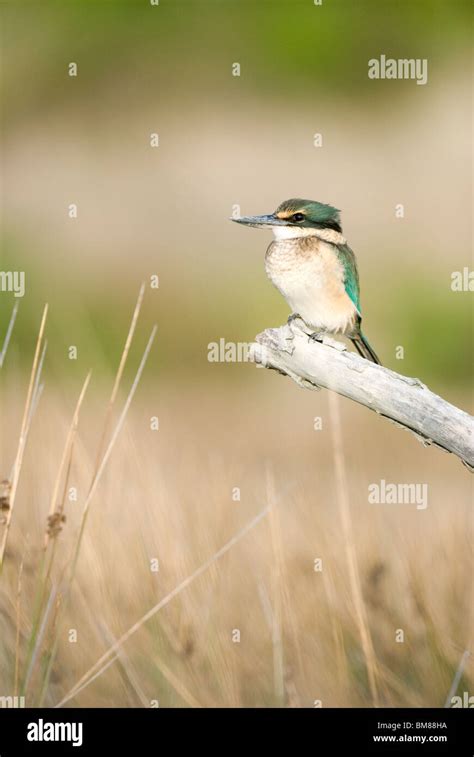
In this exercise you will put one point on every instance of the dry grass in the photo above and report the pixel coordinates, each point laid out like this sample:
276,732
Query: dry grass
226,565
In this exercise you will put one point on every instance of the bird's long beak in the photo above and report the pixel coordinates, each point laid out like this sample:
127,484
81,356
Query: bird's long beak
260,222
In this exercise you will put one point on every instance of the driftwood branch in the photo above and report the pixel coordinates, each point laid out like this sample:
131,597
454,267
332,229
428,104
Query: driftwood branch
404,401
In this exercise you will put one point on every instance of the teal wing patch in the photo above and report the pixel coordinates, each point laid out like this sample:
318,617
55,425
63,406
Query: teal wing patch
351,276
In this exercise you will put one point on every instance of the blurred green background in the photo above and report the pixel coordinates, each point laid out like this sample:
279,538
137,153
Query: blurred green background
227,141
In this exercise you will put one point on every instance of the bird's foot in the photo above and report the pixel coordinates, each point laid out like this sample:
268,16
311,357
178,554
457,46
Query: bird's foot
293,317
317,336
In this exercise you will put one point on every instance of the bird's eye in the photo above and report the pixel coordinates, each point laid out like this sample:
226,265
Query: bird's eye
298,217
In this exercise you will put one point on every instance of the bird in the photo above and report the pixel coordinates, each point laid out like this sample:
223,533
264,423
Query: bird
313,267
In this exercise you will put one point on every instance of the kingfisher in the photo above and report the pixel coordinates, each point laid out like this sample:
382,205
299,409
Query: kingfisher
314,268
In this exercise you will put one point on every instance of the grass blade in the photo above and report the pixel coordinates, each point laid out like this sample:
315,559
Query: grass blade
23,437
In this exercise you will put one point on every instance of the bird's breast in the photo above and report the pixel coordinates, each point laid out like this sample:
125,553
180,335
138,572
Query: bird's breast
310,275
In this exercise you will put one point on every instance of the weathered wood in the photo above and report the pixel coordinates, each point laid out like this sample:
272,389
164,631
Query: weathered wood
405,401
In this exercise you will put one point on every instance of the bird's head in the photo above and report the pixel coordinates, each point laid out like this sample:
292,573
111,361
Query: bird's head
295,218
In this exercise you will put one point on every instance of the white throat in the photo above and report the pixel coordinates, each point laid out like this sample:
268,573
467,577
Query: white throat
292,232
295,232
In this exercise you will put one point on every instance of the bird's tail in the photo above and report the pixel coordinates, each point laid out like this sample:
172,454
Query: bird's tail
363,348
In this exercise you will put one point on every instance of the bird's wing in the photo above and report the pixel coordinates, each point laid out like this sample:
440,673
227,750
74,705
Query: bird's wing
351,276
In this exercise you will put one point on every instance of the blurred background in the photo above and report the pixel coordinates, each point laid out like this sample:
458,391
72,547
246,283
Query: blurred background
227,141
